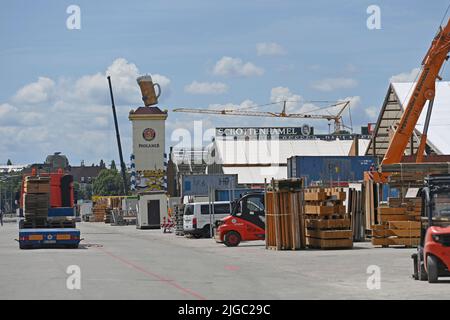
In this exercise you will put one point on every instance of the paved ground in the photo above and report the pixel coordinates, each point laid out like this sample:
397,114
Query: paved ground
125,263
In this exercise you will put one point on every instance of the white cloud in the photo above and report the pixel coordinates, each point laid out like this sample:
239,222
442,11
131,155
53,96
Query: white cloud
293,101
269,49
228,66
164,82
206,88
406,76
247,104
372,112
331,84
72,115
36,92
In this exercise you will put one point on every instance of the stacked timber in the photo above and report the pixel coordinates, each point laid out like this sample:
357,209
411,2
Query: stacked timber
399,223
36,198
356,211
328,225
284,215
396,233
100,211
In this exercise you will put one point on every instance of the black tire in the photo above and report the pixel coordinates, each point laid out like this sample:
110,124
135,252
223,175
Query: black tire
433,269
206,231
197,235
415,267
24,247
232,239
423,276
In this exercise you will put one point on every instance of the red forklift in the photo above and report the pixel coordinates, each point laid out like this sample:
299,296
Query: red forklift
246,222
432,259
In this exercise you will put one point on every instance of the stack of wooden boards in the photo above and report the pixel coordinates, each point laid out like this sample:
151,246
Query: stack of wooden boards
328,225
355,209
36,198
284,215
100,210
399,223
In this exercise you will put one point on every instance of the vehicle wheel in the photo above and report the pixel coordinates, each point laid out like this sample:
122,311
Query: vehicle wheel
23,246
415,267
197,235
433,269
206,231
232,239
422,273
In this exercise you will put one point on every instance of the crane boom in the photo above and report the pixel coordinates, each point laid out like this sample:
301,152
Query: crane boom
424,90
283,114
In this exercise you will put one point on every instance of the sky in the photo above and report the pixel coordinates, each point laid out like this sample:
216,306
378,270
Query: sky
204,54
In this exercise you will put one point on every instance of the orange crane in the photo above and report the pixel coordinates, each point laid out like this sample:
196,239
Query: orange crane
424,90
337,118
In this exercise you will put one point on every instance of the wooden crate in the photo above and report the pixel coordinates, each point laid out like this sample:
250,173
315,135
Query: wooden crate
37,185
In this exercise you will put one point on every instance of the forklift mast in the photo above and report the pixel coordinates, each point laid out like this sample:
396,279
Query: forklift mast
435,201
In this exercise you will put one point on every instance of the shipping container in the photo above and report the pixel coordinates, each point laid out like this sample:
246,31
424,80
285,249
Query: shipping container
224,195
200,184
329,169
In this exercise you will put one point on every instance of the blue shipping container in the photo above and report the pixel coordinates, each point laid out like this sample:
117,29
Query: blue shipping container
224,195
329,168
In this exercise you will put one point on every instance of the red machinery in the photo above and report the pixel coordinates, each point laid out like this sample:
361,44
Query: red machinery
246,223
61,188
432,259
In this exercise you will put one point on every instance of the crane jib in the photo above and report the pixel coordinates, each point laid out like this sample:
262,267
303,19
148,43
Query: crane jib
413,99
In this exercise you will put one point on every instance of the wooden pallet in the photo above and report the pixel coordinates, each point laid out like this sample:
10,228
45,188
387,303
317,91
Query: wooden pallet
329,243
387,242
329,234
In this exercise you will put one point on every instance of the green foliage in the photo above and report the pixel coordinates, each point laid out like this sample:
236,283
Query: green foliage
9,163
83,193
113,165
9,185
108,183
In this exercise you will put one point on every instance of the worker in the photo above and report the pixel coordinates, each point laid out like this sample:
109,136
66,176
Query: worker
1,217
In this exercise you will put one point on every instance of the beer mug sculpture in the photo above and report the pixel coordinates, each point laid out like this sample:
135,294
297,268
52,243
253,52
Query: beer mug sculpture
148,91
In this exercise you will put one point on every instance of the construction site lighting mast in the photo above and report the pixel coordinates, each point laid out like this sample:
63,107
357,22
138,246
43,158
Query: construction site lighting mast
424,90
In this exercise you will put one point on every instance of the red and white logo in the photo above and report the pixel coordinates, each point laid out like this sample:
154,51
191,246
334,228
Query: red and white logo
149,134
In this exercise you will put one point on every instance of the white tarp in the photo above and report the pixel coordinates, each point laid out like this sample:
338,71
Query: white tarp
440,117
278,151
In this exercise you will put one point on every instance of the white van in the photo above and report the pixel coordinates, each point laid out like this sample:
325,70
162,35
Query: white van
197,220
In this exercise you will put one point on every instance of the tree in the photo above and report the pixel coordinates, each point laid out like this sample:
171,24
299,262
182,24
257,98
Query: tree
108,183
9,163
83,192
102,164
113,165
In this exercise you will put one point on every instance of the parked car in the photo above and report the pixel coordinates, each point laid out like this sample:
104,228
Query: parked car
197,220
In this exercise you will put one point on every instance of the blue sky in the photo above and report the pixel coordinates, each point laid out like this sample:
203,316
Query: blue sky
324,51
